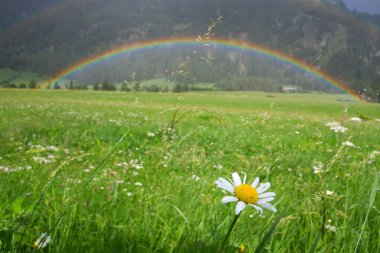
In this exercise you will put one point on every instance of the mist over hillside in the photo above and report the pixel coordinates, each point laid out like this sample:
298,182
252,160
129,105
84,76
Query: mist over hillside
47,36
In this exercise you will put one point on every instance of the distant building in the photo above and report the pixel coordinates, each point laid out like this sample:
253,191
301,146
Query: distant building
287,89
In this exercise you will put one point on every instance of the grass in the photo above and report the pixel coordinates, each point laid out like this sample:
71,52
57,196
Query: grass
19,77
155,191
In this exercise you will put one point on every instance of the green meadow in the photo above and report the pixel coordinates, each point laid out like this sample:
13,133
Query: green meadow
20,77
135,172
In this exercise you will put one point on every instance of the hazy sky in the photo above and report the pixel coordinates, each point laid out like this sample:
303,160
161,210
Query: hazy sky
370,6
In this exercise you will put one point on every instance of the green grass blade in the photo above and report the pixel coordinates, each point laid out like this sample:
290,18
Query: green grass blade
269,233
371,200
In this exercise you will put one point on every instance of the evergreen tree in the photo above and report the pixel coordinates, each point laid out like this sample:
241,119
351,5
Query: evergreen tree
56,86
108,86
32,84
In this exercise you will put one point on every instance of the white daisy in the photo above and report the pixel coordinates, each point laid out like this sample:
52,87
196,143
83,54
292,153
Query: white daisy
254,195
42,241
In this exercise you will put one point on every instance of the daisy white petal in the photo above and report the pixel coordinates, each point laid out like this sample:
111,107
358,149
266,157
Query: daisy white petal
42,241
256,182
239,207
269,207
224,184
259,209
263,187
236,178
245,194
229,199
265,200
267,194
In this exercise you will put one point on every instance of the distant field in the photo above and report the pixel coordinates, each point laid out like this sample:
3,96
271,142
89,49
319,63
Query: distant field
102,172
20,77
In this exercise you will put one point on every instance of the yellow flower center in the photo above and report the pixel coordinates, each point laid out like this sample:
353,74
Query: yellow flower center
36,245
246,193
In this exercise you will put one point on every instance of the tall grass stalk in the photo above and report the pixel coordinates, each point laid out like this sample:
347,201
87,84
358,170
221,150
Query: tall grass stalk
225,240
371,200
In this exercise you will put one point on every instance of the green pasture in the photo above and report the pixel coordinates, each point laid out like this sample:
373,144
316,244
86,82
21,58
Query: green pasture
19,77
135,172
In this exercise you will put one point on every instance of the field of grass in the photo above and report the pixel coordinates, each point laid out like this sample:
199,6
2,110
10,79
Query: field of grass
19,77
124,172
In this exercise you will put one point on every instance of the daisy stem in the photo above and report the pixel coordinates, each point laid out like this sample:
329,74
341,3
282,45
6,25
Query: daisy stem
224,244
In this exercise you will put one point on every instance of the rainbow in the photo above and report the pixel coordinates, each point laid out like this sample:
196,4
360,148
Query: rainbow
265,51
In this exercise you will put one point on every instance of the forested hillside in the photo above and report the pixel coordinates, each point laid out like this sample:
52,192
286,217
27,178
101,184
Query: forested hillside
322,33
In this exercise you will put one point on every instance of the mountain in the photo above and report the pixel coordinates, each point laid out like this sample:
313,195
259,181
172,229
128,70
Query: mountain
46,36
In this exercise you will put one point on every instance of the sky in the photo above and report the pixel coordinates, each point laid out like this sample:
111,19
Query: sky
369,6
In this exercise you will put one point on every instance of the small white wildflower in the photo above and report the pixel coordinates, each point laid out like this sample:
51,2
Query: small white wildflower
331,228
52,148
138,184
348,144
4,169
150,134
318,168
217,166
86,170
195,177
135,173
42,241
339,129
136,164
355,119
122,164
374,154
129,194
332,124
42,160
329,193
